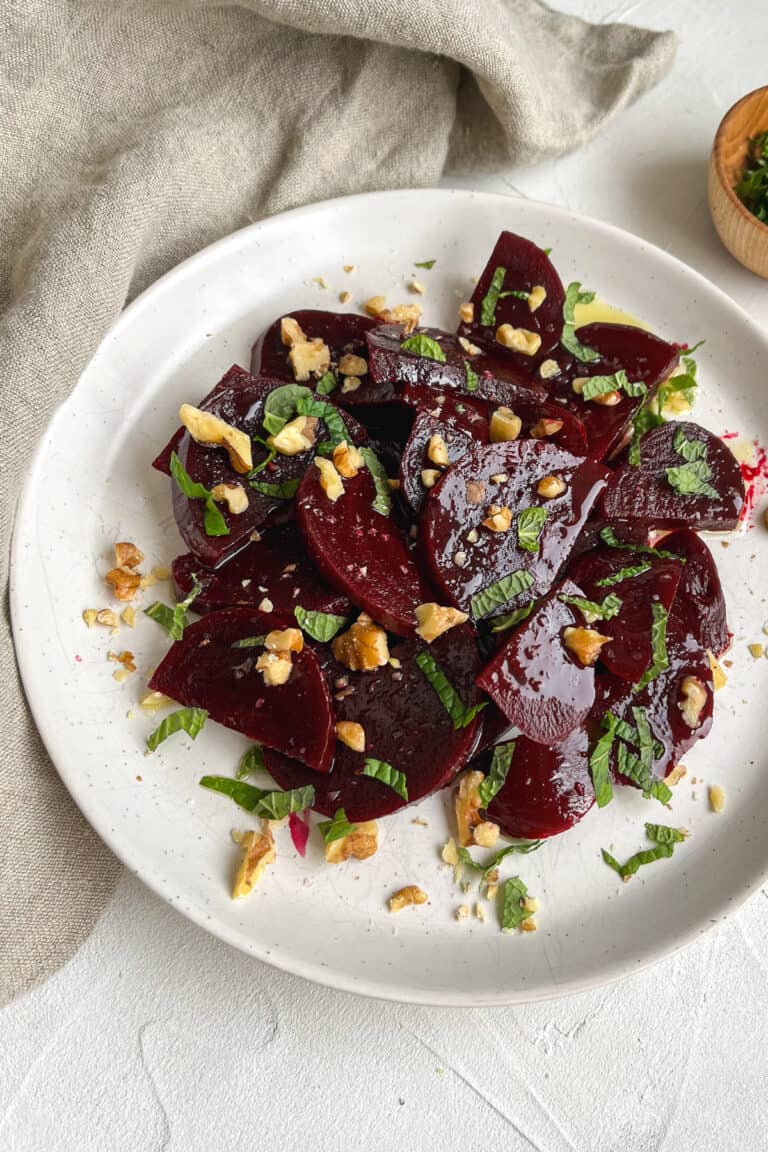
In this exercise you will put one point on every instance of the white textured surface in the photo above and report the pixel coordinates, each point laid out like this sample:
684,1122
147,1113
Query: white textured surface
157,1036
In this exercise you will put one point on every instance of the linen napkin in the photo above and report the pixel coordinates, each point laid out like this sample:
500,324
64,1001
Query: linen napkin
136,132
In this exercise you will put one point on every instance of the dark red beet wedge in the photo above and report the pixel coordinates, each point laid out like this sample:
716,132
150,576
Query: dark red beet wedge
405,725
234,378
343,332
653,495
206,670
548,788
526,266
700,601
629,653
534,680
361,552
275,567
458,424
506,475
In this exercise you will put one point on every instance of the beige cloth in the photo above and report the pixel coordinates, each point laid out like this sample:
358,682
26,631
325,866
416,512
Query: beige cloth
134,133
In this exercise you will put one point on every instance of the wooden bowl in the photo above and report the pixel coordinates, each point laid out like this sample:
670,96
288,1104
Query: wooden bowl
742,233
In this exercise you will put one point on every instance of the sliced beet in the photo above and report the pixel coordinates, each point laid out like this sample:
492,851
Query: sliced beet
629,653
700,595
241,405
644,495
526,266
533,678
457,423
275,567
206,670
361,552
235,377
451,516
343,332
405,725
548,788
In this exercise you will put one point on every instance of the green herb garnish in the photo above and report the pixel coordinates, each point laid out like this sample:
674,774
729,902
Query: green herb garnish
189,720
491,298
618,382
460,715
689,449
271,453
752,186
632,767
623,574
337,828
326,384
249,642
568,339
497,773
518,294
422,345
660,852
530,523
644,737
663,834
328,413
502,623
515,893
472,377
591,610
213,519
609,537
660,659
285,491
280,406
380,770
484,602
425,264
382,502
268,804
599,764
520,847
175,619
692,479
251,761
321,626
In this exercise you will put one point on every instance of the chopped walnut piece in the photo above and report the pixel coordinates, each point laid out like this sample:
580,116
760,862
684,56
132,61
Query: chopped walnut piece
584,644
719,678
258,853
359,844
406,314
475,492
529,925
505,425
716,798
467,312
350,365
755,651
536,297
127,555
298,435
470,348
207,429
275,668
545,427
362,647
416,287
284,640
518,339
233,495
375,305
437,451
551,486
309,358
676,775
434,620
155,702
161,572
462,912
430,477
693,697
480,912
486,834
350,384
347,460
449,855
498,519
351,734
126,658
467,806
330,481
411,894
345,297
125,583
607,399
291,332
265,605
128,617
548,369
90,616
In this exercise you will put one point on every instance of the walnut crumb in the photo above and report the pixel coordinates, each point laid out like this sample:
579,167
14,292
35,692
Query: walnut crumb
518,339
359,844
258,852
345,297
716,798
407,896
462,912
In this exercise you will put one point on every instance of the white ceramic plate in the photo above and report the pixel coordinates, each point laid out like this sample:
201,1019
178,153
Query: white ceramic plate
91,484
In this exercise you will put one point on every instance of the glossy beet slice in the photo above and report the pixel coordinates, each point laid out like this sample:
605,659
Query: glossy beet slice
526,266
242,406
457,423
644,495
343,332
276,567
405,725
451,516
629,653
700,601
235,377
548,788
361,552
206,670
497,378
534,680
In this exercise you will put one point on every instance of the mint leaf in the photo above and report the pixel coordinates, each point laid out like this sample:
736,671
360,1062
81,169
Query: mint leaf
246,795
328,413
623,574
175,619
484,602
161,614
609,537
249,642
383,500
491,298
269,805
380,770
280,406
530,523
489,865
189,720
251,761
425,264
502,623
599,765
516,292
472,377
284,491
659,659
321,626
214,523
460,715
602,385
568,338
649,856
512,912
337,828
642,421
422,345
497,773
689,449
644,737
663,834
610,607
271,453
692,479
326,384
631,766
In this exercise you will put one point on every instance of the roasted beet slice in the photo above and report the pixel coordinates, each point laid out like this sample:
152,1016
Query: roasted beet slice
361,552
206,669
405,725
548,788
505,475
629,653
481,374
674,459
700,599
235,377
458,424
535,680
276,567
343,332
525,266
241,405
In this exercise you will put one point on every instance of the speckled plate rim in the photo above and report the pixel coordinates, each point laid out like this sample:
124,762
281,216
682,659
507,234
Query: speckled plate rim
610,971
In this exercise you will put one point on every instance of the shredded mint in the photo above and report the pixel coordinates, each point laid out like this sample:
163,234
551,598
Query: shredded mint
530,523
591,610
513,914
484,602
497,773
269,805
328,413
422,345
618,382
337,828
688,449
502,623
460,715
692,479
251,761
175,619
491,299
517,293
249,642
284,491
326,384
659,658
280,406
271,453
644,737
383,500
472,377
631,866
321,626
380,770
568,339
189,720
663,834
214,523
599,764
628,733
752,185
490,864
425,264
624,574
246,795
632,767
609,537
